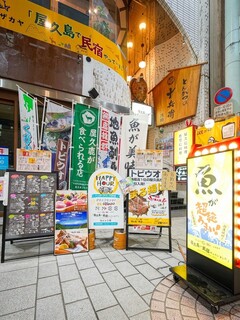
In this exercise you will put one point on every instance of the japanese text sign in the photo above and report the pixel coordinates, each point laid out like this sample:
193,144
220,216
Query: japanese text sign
175,97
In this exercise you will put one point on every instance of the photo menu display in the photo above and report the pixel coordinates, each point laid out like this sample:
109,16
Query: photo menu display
31,205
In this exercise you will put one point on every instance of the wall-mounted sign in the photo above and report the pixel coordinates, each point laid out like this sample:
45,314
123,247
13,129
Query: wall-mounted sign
183,141
181,173
223,95
222,130
34,160
223,110
149,159
4,158
105,200
37,22
141,108
175,97
210,206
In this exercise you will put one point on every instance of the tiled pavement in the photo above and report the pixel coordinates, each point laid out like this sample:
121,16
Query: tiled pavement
104,284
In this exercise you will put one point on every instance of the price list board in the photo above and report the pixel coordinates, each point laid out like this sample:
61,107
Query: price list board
30,211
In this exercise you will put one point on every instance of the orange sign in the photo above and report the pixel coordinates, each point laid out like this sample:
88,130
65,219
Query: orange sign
175,97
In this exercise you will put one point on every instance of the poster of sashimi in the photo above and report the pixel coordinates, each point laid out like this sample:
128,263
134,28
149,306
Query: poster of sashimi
133,137
71,222
210,206
84,146
109,139
147,203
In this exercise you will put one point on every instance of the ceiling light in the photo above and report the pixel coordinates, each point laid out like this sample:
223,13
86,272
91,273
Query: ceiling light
142,25
142,64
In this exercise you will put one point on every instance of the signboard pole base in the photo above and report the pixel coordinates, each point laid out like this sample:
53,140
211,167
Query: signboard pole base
209,290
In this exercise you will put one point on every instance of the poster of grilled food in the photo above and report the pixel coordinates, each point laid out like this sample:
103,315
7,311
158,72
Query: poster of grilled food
71,223
147,203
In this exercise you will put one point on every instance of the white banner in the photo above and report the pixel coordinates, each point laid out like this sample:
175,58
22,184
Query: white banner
57,120
133,137
28,121
109,139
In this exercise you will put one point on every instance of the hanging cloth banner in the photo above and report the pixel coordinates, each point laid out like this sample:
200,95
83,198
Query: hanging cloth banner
133,137
84,146
28,121
175,97
109,139
58,120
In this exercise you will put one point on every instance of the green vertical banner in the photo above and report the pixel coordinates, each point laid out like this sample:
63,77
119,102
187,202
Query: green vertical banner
84,146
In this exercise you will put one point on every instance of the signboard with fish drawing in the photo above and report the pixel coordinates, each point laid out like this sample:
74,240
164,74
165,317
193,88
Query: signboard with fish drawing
148,204
210,207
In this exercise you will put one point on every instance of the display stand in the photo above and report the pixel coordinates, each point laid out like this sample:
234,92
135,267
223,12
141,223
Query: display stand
147,205
209,290
212,268
30,212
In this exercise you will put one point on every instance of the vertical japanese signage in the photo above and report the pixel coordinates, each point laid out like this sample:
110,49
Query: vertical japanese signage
133,137
105,200
183,141
85,141
175,97
109,140
210,206
61,162
28,121
148,204
71,230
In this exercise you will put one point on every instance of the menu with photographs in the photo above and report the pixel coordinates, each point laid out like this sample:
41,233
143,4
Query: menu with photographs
31,205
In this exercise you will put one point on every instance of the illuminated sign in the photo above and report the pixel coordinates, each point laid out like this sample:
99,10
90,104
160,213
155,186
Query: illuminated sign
210,206
46,25
183,141
141,108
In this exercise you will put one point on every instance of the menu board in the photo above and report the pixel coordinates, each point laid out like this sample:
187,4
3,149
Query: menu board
147,203
105,200
31,205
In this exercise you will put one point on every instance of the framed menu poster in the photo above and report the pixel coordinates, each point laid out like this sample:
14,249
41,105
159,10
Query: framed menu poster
31,205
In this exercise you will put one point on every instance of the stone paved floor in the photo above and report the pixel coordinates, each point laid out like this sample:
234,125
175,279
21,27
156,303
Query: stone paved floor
103,284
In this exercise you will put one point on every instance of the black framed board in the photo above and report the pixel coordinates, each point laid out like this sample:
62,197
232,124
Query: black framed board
30,212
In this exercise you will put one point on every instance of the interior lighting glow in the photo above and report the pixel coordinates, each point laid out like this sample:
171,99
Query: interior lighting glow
129,78
209,123
223,147
48,24
142,64
197,153
213,150
233,145
142,25
238,176
205,151
129,44
237,153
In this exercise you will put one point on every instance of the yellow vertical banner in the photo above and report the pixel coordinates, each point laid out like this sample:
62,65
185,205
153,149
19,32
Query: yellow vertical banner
48,26
175,97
